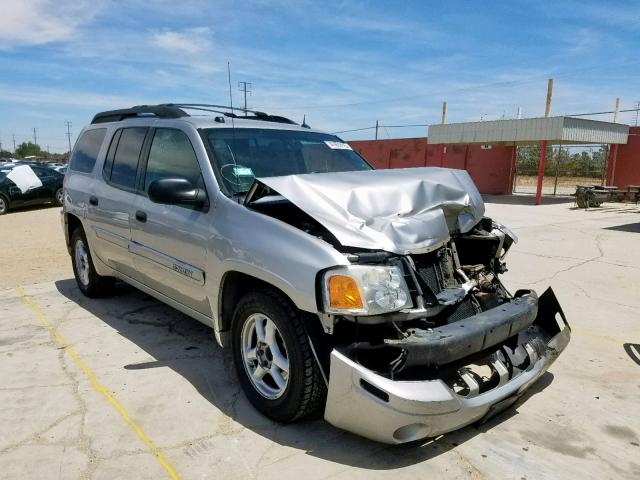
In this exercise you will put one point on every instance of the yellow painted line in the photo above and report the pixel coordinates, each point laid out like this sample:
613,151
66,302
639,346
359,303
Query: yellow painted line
589,333
101,389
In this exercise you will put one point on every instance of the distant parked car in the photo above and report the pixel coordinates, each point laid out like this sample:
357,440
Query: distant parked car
23,188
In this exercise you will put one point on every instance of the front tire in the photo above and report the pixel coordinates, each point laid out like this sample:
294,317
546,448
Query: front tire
273,357
88,280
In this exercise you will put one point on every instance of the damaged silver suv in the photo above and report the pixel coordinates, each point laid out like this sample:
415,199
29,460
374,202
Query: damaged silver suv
371,294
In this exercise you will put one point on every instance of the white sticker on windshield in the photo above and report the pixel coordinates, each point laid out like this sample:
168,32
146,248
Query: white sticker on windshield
243,172
338,145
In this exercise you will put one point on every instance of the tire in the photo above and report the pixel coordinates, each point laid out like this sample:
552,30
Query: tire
88,280
4,205
59,196
304,390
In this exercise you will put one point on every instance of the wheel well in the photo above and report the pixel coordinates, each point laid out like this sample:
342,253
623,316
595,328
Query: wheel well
233,286
72,222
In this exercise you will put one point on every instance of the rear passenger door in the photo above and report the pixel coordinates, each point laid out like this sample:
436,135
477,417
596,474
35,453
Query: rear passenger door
111,205
169,242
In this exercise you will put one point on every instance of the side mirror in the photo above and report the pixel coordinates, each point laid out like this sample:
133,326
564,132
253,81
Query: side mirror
176,191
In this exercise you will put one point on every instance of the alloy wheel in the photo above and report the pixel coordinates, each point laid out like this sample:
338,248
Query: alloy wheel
265,356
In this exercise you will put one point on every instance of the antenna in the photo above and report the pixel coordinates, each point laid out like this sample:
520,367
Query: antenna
233,129
230,91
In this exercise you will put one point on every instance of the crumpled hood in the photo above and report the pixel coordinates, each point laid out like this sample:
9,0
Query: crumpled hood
399,210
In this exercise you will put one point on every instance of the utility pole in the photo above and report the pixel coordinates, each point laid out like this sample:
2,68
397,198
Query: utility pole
543,145
246,88
519,113
617,111
14,142
441,148
68,134
547,110
376,129
35,136
637,109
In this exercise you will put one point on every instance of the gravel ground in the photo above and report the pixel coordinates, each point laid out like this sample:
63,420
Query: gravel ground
33,249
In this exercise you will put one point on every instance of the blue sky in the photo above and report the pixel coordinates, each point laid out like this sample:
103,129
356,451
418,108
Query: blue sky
343,64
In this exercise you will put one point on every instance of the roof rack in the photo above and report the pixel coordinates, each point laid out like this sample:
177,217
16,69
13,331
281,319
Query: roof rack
166,110
177,110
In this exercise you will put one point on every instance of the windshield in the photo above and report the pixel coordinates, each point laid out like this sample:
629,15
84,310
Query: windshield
242,154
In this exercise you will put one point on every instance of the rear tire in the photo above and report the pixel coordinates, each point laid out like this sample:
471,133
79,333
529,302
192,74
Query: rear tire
4,205
270,341
88,280
60,197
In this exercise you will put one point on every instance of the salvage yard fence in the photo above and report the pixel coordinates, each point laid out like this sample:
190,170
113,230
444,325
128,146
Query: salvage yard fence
565,167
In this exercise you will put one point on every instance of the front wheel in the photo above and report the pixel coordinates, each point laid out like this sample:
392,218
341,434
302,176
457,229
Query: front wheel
88,280
4,205
273,358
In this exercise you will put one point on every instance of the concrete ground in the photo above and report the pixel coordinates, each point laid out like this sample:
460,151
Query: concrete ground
129,388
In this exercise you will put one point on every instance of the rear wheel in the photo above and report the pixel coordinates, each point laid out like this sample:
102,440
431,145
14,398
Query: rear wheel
4,205
273,357
60,196
88,280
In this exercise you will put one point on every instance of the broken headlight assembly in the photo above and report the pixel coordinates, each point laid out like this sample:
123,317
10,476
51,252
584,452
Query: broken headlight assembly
365,290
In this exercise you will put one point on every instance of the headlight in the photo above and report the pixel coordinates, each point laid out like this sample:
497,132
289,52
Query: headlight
365,290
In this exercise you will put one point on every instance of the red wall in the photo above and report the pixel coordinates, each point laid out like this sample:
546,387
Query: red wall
490,169
627,169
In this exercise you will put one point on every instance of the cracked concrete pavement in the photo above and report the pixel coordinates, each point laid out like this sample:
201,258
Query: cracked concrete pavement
581,420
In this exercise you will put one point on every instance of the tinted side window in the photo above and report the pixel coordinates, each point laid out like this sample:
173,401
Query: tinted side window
43,174
108,161
86,150
125,162
171,155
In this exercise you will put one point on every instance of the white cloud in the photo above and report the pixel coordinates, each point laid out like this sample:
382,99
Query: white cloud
192,41
37,22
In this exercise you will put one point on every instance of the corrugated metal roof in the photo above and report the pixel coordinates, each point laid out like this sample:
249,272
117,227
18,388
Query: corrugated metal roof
528,130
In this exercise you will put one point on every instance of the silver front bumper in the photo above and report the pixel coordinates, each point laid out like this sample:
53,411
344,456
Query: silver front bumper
388,411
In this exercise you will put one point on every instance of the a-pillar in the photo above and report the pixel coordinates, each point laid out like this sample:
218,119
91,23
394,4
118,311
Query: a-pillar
543,155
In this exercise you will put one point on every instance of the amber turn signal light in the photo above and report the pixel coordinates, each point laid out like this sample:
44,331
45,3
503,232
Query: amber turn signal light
344,293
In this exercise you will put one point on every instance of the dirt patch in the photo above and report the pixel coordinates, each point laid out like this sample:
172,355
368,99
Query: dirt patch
32,249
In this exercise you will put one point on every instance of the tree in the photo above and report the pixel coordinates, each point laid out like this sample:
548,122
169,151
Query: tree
5,154
27,149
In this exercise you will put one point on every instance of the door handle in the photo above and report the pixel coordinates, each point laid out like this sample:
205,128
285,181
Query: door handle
141,216
93,200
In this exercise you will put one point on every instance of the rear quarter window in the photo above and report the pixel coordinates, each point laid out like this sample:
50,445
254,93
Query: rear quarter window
86,150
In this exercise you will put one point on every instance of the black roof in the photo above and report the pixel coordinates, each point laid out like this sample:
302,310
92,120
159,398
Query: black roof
177,110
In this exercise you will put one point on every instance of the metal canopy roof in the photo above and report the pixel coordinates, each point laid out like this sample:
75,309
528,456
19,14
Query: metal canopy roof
530,130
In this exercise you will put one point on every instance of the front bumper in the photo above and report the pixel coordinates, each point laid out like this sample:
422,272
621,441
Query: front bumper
390,411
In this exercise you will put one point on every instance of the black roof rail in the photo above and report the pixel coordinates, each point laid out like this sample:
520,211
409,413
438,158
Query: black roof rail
230,112
161,111
177,110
